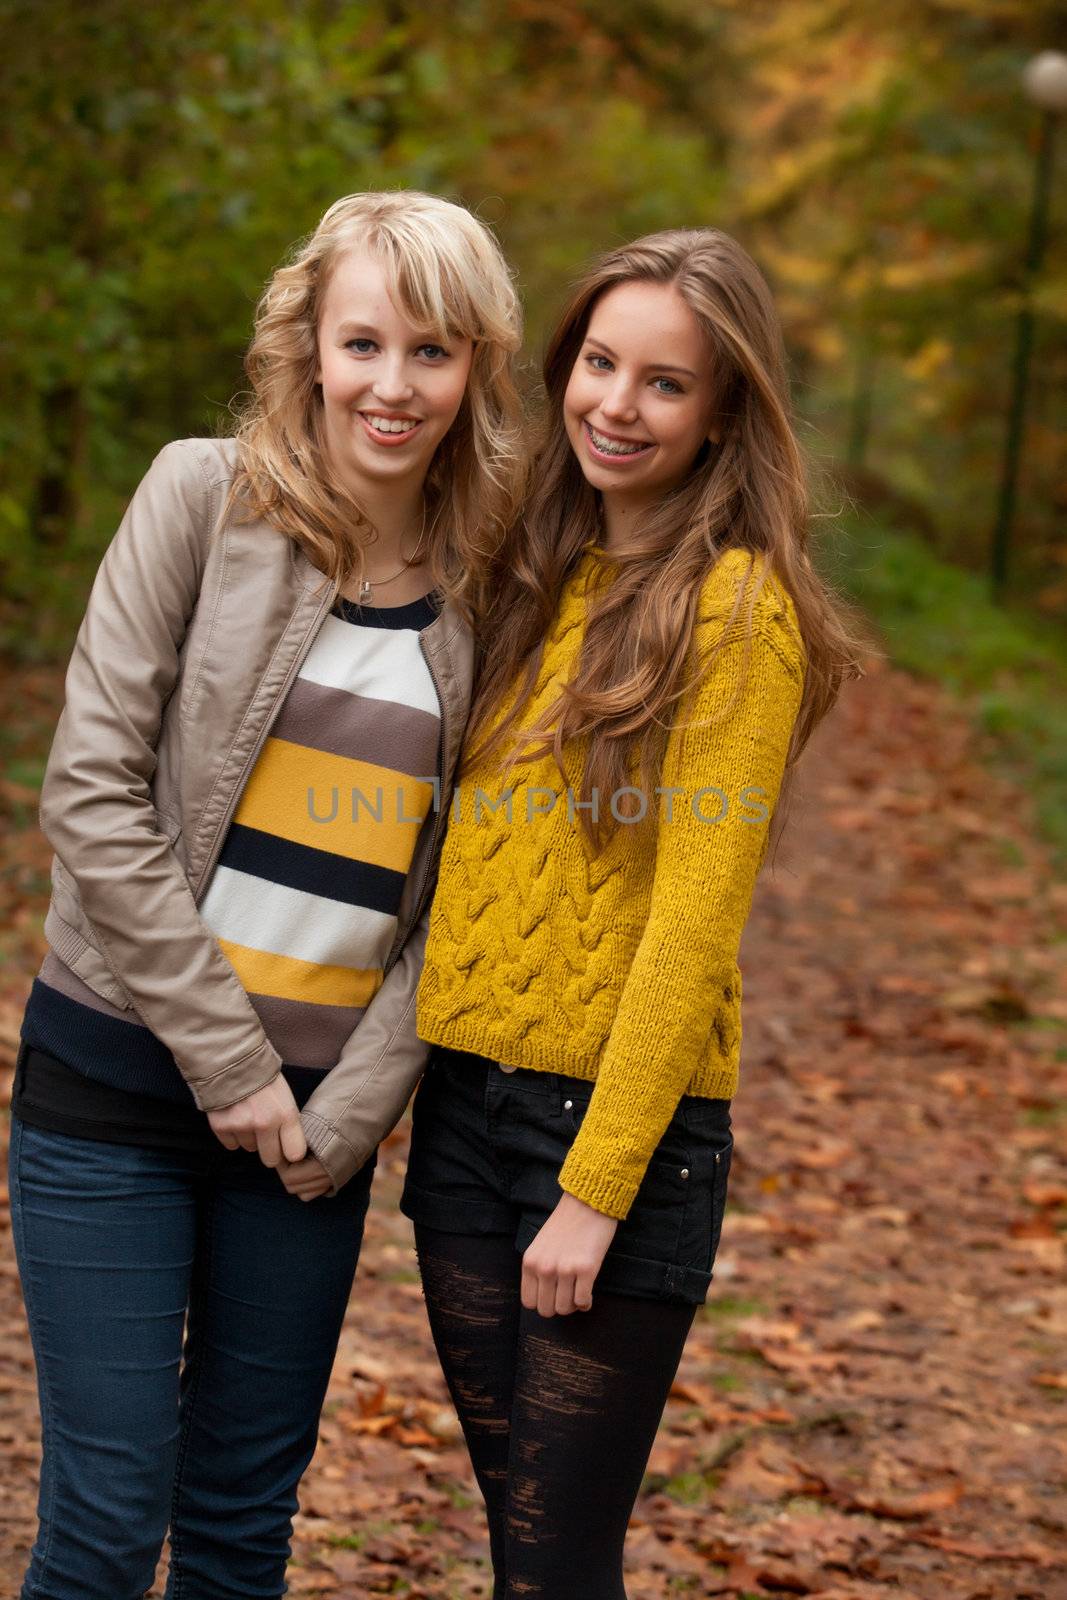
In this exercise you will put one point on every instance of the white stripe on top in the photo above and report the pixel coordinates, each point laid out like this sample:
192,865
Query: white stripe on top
375,662
283,921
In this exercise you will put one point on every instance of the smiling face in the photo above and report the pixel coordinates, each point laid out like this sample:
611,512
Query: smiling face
640,400
390,390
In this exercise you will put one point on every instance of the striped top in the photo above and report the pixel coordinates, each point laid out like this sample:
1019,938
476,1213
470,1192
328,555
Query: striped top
305,895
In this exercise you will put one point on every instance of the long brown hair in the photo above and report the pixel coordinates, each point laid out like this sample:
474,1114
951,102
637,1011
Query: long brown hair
750,491
449,276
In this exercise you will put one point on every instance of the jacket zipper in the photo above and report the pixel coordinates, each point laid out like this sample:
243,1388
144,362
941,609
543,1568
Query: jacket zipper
399,937
220,836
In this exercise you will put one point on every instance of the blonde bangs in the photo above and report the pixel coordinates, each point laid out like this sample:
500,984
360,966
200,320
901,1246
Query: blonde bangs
432,283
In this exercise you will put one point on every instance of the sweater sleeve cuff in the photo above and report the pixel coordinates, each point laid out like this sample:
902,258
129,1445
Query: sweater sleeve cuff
340,1159
612,1195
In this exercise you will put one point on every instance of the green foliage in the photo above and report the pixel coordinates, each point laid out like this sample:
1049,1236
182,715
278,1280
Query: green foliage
163,161
1008,666
160,161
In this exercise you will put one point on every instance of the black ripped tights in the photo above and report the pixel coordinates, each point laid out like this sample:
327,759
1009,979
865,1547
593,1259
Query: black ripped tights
559,1413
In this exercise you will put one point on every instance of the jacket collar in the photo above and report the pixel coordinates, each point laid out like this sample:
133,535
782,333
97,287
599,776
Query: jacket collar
441,631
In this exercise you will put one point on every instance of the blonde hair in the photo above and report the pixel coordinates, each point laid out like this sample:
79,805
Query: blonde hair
748,491
448,275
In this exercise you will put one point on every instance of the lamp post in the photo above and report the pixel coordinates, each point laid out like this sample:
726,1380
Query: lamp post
1045,82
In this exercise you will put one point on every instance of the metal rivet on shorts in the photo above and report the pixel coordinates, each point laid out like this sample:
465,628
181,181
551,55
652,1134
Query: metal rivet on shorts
685,1172
567,1105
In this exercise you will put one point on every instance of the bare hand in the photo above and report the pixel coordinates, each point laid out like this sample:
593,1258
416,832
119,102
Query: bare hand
561,1262
267,1121
306,1179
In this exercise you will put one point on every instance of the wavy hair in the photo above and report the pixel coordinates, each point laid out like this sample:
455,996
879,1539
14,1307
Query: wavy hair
449,277
749,491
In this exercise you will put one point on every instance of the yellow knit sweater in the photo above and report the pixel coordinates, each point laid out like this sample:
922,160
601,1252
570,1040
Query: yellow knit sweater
620,967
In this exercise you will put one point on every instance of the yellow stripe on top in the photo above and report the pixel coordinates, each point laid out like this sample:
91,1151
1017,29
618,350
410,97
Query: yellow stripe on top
276,801
288,978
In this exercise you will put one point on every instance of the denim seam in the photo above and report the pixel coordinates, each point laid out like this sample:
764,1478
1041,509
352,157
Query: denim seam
495,1091
177,1574
47,1455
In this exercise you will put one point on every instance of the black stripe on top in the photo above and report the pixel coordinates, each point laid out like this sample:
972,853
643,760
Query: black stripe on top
417,614
300,866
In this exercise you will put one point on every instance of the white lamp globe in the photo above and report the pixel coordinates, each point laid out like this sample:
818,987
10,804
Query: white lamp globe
1045,80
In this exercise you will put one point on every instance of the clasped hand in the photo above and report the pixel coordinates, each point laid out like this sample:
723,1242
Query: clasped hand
562,1261
558,1267
268,1124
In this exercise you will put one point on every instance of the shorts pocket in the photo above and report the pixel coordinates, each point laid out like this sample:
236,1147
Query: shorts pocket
713,1174
671,1156
655,1228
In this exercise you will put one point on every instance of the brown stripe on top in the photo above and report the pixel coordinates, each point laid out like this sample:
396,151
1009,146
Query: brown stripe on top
383,732
306,1035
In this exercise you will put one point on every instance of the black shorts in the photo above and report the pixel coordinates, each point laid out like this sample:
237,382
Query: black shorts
487,1146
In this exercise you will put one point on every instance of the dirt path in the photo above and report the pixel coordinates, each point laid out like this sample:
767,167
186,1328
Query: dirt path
874,1399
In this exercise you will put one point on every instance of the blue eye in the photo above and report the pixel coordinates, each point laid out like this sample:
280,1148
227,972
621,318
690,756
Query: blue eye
675,388
354,342
593,359
438,350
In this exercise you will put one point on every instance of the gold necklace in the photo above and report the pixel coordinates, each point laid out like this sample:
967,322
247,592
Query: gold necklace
365,587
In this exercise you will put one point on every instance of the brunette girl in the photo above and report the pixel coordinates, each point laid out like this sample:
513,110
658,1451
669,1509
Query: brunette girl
280,625
657,650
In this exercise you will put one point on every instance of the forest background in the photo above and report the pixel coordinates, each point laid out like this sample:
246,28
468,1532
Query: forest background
898,1195
877,158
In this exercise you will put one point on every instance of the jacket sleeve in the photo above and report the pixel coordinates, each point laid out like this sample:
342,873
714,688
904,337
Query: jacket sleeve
363,1097
96,806
705,875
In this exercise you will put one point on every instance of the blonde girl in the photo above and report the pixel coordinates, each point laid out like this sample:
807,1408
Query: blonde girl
271,679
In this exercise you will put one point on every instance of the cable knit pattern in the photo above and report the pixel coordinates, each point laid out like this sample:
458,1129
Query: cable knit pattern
620,967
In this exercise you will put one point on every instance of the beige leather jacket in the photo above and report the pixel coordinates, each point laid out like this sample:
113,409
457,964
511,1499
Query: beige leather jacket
194,630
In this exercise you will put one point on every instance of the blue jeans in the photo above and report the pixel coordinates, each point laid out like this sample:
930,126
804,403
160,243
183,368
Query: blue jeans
116,1244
